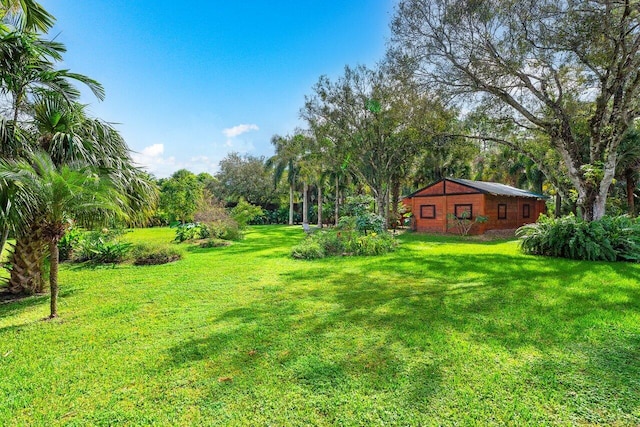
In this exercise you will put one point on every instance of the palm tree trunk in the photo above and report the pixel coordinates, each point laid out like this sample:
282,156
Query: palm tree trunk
27,260
290,204
305,207
337,212
319,206
53,277
4,237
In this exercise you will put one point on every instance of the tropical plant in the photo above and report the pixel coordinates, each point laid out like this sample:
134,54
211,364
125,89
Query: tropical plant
606,239
62,193
154,255
25,14
463,222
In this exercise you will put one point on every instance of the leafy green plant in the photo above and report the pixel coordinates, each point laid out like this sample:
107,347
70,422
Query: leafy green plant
110,252
214,243
191,231
341,242
464,223
155,255
101,247
308,249
68,242
244,212
607,239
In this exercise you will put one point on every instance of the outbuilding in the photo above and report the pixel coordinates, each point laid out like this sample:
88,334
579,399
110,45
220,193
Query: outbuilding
436,206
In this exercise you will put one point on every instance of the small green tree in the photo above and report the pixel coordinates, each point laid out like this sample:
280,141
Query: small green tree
180,196
60,194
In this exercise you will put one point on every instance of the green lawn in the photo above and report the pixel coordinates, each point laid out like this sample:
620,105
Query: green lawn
443,331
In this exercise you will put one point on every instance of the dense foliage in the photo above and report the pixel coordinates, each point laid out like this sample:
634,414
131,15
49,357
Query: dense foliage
606,239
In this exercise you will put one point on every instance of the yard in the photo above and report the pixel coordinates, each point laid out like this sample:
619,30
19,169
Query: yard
442,331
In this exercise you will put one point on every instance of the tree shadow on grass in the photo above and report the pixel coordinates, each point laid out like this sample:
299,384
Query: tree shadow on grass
14,307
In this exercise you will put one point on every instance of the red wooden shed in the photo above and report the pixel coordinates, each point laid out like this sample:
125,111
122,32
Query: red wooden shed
504,206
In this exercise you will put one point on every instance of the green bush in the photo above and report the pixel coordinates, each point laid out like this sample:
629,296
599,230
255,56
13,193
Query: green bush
214,243
191,231
332,243
307,249
244,212
101,247
155,255
68,243
374,244
606,239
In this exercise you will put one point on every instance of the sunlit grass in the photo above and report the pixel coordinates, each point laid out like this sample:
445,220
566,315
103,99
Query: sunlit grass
442,331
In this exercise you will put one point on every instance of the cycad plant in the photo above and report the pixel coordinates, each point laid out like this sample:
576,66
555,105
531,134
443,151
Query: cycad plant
59,194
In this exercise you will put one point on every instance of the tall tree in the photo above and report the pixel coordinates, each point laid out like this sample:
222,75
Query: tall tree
567,69
69,137
376,118
286,159
245,177
180,196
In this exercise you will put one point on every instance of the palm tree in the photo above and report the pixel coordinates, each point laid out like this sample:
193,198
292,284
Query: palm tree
69,137
59,195
286,158
27,14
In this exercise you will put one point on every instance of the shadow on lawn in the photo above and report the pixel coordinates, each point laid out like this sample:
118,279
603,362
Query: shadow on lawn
409,304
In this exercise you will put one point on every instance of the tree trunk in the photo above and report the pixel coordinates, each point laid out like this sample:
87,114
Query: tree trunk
395,201
27,260
3,237
337,207
382,205
53,277
319,205
558,205
631,187
305,207
291,204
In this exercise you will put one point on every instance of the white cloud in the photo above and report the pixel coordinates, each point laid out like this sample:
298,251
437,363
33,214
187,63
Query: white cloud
239,130
153,160
154,150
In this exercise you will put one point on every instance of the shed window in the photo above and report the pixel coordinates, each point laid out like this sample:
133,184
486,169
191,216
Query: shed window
526,211
463,211
428,211
502,211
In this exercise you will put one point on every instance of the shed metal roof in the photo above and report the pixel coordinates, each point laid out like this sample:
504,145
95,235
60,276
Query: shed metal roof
493,188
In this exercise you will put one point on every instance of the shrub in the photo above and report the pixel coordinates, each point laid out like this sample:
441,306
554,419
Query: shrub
154,255
191,231
307,249
214,243
331,243
101,247
374,244
607,239
68,243
244,212
463,223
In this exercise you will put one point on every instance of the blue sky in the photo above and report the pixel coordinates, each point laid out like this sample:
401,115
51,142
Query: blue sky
189,82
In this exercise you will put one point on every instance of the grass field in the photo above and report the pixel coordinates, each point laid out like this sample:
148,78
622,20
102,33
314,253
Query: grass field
443,331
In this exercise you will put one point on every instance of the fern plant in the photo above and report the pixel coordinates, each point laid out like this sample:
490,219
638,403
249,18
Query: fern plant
607,239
